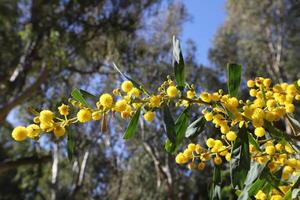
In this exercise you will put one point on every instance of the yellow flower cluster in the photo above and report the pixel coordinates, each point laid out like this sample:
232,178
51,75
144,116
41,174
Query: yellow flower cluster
267,104
129,100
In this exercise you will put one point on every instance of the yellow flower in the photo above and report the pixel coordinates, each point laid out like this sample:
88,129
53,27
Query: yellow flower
127,86
259,132
201,166
260,195
231,136
106,100
46,116
33,130
270,150
228,157
155,101
192,146
218,160
188,153
172,91
19,133
205,96
252,92
290,108
59,131
135,92
64,109
84,115
121,105
190,94
250,83
210,142
149,116
208,116
181,159
276,197
267,82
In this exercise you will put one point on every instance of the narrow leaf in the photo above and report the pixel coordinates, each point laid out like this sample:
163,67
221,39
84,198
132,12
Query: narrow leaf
216,186
76,94
195,128
130,131
169,124
178,63
87,95
234,72
240,163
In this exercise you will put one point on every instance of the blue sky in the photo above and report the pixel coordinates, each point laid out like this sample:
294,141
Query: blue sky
207,17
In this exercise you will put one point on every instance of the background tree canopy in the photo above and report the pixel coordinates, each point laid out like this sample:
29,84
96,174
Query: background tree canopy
50,47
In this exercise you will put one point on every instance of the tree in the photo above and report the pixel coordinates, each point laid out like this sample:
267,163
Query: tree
261,35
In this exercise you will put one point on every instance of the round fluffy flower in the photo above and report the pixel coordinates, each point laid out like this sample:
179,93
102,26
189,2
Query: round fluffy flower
218,160
259,132
84,115
63,109
106,100
33,130
210,142
19,133
149,116
172,91
59,131
231,136
155,101
270,150
181,159
205,96
121,105
135,92
46,116
250,83
127,86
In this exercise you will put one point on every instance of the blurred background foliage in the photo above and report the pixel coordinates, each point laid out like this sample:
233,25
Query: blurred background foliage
47,48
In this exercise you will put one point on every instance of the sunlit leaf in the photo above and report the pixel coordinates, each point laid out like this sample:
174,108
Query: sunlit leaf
131,128
76,94
178,62
195,128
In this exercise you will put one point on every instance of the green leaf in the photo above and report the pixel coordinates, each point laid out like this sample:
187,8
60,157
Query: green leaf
195,128
234,72
76,94
131,128
169,124
216,186
253,142
181,125
240,163
87,95
170,147
252,183
178,63
70,145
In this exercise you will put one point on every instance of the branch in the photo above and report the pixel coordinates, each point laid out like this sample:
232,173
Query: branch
12,164
27,93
